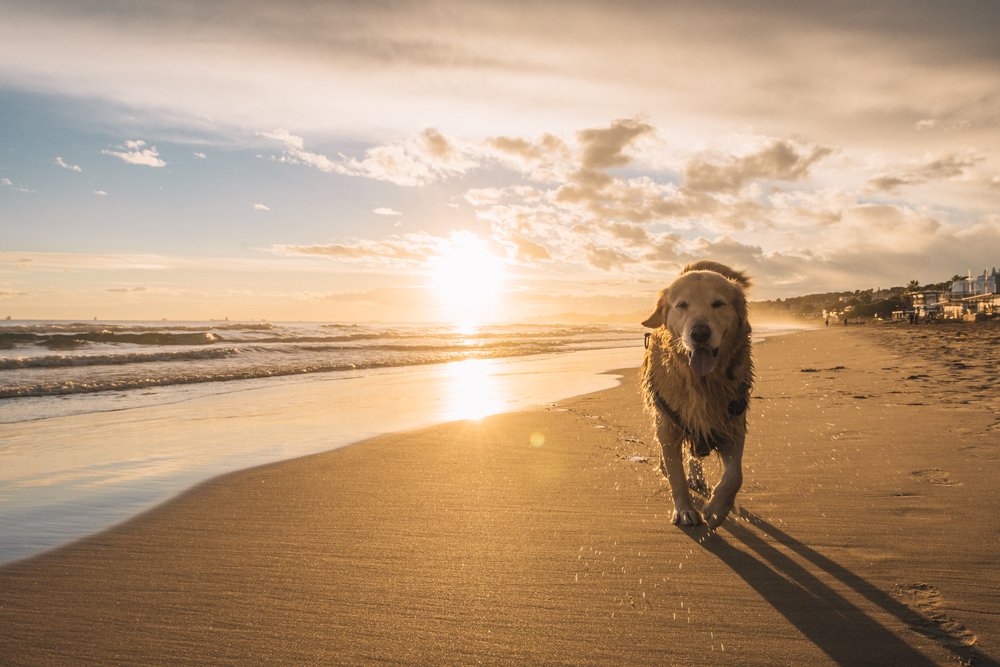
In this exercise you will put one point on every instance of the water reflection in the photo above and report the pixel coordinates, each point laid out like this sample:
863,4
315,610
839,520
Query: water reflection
473,391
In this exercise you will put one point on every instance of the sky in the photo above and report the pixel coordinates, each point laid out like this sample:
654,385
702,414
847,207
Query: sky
446,161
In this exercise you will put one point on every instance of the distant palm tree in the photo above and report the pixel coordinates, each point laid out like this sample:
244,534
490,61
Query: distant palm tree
913,285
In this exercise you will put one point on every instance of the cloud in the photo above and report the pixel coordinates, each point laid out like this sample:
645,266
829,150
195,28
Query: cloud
889,183
67,262
100,193
382,210
423,159
596,218
126,290
780,161
261,207
528,251
485,196
607,259
134,151
364,70
64,262
436,145
603,148
947,167
65,165
409,253
551,159
585,194
420,160
544,159
199,155
634,234
408,250
295,152
11,185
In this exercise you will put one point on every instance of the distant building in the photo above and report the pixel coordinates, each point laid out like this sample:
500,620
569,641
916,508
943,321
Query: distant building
986,283
972,296
928,303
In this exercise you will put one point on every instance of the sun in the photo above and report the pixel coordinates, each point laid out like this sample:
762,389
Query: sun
468,279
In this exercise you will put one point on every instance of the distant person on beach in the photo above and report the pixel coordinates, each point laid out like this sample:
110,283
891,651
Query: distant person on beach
845,321
828,321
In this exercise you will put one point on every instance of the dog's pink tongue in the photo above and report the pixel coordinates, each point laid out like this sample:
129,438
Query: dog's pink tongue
702,361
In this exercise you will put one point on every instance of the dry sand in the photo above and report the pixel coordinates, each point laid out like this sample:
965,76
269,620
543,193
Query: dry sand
868,536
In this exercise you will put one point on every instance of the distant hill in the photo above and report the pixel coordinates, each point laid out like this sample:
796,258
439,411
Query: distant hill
860,303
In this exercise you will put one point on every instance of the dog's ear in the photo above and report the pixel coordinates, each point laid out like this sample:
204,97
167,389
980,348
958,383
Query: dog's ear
659,316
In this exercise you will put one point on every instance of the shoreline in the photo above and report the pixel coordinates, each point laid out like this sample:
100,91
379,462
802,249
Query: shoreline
69,476
544,536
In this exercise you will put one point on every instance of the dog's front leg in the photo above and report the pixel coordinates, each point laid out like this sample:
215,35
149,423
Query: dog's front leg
724,494
672,466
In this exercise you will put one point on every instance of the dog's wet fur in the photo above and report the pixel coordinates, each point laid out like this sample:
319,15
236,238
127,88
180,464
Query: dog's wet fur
698,361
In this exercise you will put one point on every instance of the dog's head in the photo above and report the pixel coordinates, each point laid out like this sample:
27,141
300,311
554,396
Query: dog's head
704,309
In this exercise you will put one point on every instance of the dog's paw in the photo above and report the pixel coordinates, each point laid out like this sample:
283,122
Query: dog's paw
686,518
716,512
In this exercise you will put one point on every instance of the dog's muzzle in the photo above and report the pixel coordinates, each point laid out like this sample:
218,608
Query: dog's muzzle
703,356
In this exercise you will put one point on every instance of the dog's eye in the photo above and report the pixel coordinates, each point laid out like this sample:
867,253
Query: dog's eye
682,305
718,304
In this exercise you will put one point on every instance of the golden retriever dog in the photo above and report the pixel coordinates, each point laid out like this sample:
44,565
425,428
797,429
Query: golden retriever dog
696,379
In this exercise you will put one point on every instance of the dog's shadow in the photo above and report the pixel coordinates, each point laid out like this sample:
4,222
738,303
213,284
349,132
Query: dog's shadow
841,629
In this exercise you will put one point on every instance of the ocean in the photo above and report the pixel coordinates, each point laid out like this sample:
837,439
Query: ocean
56,368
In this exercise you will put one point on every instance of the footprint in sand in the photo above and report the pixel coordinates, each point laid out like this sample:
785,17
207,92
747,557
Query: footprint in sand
930,621
935,476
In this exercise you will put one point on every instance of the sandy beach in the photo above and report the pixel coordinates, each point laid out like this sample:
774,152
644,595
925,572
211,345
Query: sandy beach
865,534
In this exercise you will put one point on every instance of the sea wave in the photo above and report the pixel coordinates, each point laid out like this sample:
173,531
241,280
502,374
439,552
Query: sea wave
61,358
145,380
70,341
84,327
57,361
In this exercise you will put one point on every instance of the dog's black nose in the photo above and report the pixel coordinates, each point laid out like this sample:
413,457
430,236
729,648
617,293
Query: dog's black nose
700,333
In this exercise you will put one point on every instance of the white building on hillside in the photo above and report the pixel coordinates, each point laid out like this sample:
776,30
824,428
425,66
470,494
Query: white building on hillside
972,296
988,282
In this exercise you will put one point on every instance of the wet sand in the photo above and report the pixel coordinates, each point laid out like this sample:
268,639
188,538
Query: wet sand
866,535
